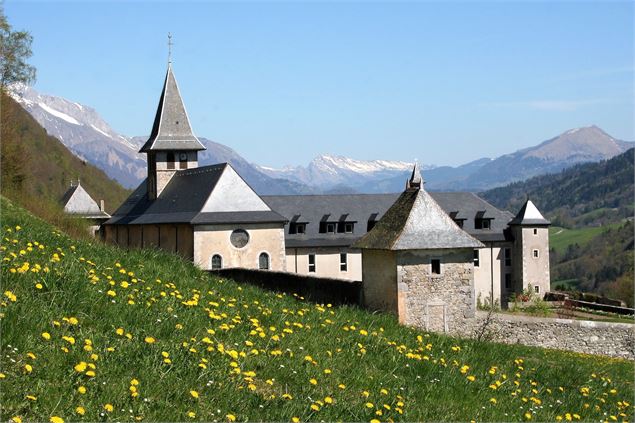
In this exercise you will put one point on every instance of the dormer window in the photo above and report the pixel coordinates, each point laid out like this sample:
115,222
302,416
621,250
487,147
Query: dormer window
297,228
330,228
372,221
327,227
348,227
459,220
482,222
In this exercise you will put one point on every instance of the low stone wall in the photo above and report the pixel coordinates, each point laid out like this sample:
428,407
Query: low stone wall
320,290
584,336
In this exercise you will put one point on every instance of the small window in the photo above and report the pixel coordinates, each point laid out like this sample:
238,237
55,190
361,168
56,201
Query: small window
183,160
536,254
312,263
436,266
343,262
263,261
537,289
170,160
535,231
508,281
348,227
239,238
477,261
330,228
297,228
508,257
217,262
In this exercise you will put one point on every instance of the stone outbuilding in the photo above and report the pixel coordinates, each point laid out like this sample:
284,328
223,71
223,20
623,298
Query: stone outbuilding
418,264
78,203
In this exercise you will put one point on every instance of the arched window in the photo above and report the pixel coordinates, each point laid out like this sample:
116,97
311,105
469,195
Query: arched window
263,261
170,160
217,262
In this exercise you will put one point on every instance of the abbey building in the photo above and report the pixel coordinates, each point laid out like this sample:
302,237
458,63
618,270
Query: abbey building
408,249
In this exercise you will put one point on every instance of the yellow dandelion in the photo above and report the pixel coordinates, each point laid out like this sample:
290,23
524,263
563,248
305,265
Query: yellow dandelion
369,405
313,381
471,378
109,407
194,394
80,410
191,414
16,419
231,417
80,367
119,331
28,368
56,419
328,400
315,407
149,340
81,390
295,419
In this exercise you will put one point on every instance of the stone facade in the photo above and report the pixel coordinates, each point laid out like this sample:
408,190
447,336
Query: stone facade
435,302
583,336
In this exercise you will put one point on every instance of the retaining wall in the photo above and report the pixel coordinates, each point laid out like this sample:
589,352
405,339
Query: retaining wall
584,336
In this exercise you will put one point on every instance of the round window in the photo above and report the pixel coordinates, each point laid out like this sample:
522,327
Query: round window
239,238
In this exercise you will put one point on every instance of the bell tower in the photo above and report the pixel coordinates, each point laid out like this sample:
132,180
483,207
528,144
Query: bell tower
172,146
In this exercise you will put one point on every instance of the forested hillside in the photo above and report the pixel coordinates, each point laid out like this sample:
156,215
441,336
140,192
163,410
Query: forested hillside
583,195
37,168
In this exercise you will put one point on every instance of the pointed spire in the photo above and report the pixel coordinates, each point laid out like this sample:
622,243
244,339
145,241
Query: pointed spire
529,215
169,48
171,129
415,181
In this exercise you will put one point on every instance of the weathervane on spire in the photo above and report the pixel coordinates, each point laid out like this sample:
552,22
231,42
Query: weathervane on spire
169,47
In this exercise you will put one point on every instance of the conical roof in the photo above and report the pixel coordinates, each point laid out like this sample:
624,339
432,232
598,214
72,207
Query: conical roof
78,202
171,129
416,222
529,215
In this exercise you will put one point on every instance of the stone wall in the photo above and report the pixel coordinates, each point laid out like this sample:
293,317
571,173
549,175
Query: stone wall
583,336
435,302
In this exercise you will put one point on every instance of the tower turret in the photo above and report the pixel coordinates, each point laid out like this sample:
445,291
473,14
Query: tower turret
172,145
530,231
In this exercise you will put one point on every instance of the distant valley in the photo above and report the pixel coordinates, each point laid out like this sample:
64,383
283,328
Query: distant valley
82,130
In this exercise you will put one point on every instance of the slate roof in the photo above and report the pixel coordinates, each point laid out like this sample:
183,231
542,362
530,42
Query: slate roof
171,129
182,200
416,222
529,215
360,208
78,202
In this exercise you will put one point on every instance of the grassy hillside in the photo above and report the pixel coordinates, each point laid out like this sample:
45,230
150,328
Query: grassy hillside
95,333
583,195
561,238
37,168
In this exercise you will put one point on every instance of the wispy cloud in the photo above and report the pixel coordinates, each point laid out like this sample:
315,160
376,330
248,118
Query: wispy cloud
548,105
595,73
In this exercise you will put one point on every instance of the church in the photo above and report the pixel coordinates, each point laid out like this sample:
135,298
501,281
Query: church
210,215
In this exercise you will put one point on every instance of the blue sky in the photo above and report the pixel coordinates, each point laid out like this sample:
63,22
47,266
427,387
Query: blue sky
282,82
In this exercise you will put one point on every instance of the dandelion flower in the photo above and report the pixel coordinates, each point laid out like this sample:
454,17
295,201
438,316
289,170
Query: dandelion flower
16,419
149,340
231,417
328,400
108,407
313,381
56,419
80,410
28,368
46,335
194,394
191,414
81,390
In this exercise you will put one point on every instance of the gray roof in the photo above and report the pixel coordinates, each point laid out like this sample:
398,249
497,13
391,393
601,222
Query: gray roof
182,200
360,208
171,129
416,222
78,202
529,215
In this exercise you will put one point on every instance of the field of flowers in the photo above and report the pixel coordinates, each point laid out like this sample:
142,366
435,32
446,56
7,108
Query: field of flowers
95,333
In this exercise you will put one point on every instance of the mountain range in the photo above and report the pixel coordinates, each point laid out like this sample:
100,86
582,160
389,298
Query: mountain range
82,130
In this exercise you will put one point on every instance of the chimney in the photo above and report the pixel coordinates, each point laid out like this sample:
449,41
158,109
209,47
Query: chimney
101,205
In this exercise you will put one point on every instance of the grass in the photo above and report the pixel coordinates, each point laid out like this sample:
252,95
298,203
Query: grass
561,238
168,342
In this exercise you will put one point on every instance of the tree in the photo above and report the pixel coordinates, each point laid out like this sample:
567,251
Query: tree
15,50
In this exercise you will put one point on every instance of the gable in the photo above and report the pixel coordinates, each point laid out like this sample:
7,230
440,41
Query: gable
80,202
232,194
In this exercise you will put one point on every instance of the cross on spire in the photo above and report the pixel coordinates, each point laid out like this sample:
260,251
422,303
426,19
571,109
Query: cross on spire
170,47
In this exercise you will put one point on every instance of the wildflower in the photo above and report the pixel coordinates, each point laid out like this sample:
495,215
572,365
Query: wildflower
374,421
111,293
191,414
492,400
369,405
80,410
471,378
341,386
149,340
46,335
28,368
119,331
383,392
231,417
90,373
56,419
313,381
81,390
31,397
38,286
528,415
134,382
287,396
194,394
16,419
328,400
315,407
295,419
80,367
10,295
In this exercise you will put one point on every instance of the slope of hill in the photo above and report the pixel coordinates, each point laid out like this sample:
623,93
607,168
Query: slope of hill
95,333
586,194
38,168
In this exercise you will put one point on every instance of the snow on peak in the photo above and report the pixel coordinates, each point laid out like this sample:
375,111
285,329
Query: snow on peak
59,114
100,131
359,166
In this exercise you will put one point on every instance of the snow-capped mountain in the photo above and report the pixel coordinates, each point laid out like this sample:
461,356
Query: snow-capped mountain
85,134
329,172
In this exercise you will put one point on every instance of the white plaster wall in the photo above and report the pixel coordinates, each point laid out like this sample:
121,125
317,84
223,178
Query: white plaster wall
327,262
215,239
536,270
483,284
379,277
